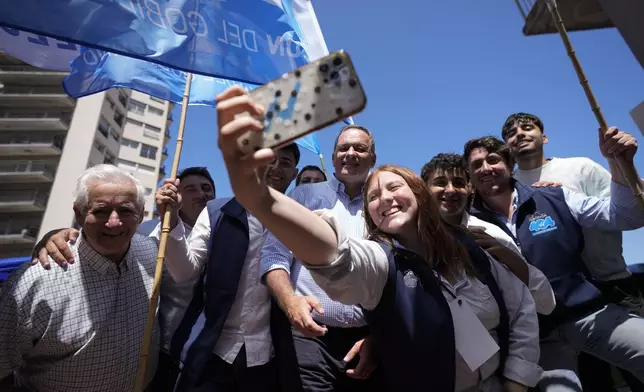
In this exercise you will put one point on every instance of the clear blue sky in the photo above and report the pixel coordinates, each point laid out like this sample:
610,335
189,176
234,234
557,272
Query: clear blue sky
438,73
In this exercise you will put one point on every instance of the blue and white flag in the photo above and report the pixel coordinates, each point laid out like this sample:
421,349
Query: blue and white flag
252,41
94,71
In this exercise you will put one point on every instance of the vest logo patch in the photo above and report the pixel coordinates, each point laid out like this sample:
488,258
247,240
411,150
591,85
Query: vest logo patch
410,279
541,223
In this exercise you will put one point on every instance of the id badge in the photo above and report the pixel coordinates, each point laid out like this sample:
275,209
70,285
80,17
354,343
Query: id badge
473,342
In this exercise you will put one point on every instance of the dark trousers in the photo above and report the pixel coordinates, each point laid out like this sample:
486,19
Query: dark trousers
595,374
321,364
221,376
166,374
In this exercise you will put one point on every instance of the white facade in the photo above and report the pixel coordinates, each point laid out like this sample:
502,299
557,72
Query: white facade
47,139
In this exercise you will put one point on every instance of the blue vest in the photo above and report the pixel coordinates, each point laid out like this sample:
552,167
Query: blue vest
215,293
551,239
413,327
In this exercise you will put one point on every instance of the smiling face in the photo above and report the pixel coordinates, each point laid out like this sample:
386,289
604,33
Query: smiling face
490,174
353,156
451,189
282,171
524,138
391,204
110,218
195,191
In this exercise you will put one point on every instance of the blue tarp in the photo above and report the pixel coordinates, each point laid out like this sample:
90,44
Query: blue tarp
7,266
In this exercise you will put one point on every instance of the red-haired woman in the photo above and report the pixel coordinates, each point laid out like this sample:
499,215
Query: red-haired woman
445,316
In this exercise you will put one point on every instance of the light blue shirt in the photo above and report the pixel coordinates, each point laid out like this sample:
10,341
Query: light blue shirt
328,195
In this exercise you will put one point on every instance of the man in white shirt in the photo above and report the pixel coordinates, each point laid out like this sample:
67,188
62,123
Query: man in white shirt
448,179
80,328
524,135
236,329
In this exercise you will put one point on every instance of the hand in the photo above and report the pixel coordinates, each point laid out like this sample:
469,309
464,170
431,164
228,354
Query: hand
245,172
511,386
54,245
298,310
544,184
367,362
168,196
615,143
486,241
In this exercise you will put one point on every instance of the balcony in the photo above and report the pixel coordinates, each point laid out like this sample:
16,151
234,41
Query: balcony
23,201
26,172
167,137
577,15
18,232
28,75
17,96
162,173
16,121
164,154
16,145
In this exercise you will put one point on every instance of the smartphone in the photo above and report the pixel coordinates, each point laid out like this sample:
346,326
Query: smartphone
302,101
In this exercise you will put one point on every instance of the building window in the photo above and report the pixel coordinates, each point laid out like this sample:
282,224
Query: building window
126,163
104,127
134,122
129,143
109,158
148,151
123,98
148,191
146,168
99,146
154,110
155,99
110,102
136,107
152,128
115,135
118,118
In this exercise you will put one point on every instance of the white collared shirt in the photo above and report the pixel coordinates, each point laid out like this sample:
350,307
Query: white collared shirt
248,321
538,284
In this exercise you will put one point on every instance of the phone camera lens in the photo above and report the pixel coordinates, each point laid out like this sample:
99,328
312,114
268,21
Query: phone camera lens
324,68
337,61
334,75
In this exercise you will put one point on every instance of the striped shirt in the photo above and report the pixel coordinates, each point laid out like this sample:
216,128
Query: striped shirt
78,329
331,196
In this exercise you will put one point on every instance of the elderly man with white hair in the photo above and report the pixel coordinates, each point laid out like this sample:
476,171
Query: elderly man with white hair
80,328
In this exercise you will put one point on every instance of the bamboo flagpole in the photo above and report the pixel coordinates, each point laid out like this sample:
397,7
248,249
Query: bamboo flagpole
323,166
628,170
165,231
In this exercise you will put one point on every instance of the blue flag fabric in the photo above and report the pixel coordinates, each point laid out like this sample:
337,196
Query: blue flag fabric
252,41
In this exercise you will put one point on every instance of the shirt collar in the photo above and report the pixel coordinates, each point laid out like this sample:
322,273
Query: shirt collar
340,188
100,263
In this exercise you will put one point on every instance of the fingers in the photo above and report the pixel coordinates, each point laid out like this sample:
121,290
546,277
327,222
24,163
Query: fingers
354,351
53,250
60,242
363,370
230,108
315,304
311,328
73,236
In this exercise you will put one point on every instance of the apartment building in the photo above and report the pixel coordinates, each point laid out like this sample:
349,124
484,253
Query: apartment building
47,139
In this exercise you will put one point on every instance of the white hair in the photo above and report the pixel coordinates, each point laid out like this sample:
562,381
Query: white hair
106,173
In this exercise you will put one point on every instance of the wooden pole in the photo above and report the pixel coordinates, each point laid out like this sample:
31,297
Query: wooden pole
323,166
628,170
165,232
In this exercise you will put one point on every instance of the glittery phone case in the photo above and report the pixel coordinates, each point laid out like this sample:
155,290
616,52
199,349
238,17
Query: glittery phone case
304,100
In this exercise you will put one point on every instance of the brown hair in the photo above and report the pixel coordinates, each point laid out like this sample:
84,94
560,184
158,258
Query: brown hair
441,249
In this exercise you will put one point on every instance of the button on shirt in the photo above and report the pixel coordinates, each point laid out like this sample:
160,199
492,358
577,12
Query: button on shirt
324,195
248,321
79,328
